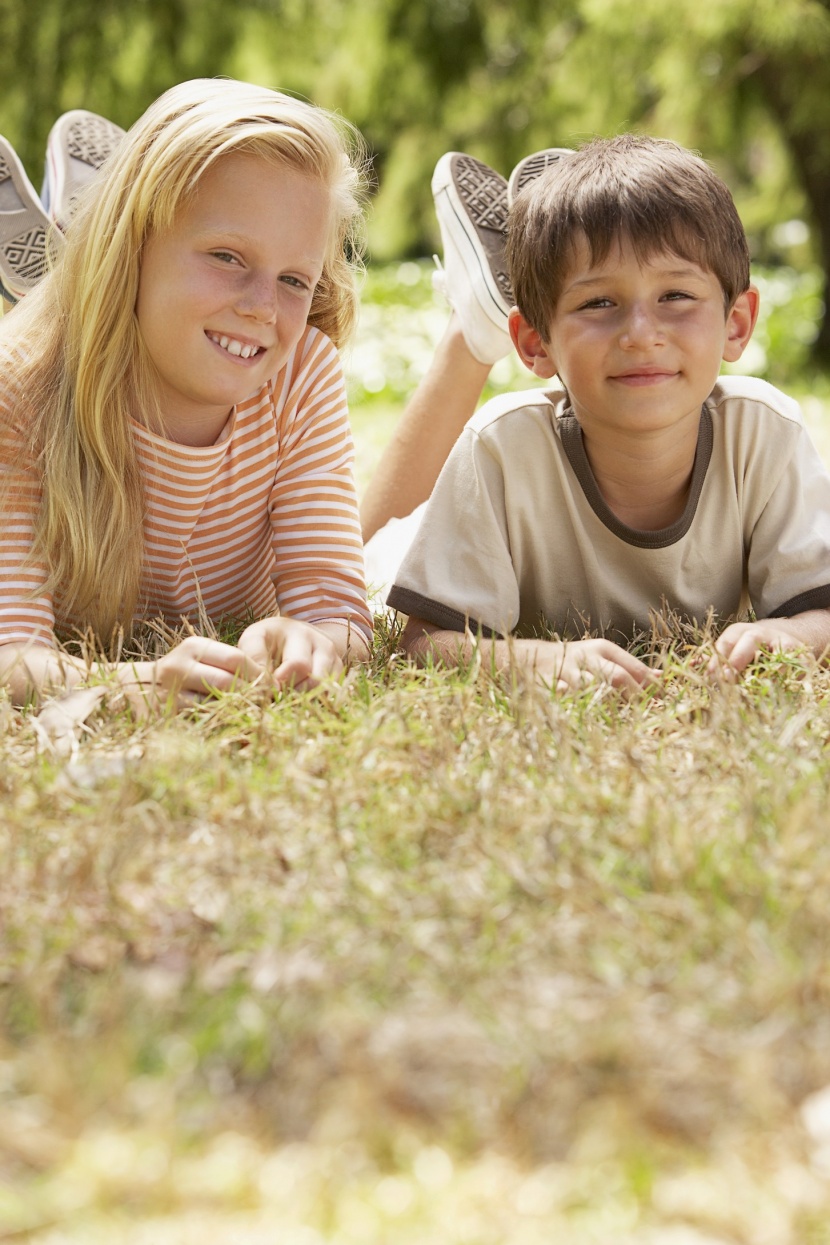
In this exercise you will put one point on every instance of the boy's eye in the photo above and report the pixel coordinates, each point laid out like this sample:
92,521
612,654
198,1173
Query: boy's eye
676,295
591,303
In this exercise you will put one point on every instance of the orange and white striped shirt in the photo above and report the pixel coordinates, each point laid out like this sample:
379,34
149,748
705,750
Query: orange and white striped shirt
263,521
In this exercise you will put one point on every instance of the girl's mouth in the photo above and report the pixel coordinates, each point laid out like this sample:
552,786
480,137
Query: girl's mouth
240,350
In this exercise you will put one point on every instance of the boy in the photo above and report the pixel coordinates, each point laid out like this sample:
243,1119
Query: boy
640,481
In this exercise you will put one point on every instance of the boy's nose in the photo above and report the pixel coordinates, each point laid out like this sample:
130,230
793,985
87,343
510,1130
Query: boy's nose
640,327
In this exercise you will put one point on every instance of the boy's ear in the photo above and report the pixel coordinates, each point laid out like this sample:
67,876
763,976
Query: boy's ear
739,324
530,346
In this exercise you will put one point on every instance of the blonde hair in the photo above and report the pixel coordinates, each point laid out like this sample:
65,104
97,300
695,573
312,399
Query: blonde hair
87,370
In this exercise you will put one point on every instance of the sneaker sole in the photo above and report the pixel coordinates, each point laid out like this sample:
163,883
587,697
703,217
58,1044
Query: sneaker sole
24,228
79,143
531,167
463,191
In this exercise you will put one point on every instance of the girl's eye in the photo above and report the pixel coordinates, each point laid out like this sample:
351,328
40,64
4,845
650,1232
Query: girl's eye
225,257
295,283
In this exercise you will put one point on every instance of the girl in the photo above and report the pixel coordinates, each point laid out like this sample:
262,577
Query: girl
173,432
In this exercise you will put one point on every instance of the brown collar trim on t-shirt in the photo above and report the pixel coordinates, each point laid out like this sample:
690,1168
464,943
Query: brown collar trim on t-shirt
574,448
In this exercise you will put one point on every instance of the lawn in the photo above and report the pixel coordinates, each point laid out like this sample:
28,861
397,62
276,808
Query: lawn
424,957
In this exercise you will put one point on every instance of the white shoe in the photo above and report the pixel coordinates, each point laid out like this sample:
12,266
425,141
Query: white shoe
24,228
471,206
78,144
531,167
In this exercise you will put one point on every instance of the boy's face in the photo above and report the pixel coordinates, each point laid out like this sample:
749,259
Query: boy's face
638,345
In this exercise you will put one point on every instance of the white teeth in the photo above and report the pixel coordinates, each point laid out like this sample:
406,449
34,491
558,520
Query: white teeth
237,349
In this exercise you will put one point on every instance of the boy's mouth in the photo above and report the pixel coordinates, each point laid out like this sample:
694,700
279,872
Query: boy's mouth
235,347
644,376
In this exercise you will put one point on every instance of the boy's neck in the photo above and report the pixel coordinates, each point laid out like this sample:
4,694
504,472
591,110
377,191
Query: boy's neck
645,480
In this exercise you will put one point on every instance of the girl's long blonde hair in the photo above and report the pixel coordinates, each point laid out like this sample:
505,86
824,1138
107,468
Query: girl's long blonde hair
86,371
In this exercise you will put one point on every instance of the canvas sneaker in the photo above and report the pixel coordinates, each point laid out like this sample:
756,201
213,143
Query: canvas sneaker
24,228
531,167
471,206
78,144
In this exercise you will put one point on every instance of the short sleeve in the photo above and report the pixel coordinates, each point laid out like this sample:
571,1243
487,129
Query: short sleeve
788,568
459,569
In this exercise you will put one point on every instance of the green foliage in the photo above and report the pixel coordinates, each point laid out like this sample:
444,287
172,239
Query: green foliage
745,82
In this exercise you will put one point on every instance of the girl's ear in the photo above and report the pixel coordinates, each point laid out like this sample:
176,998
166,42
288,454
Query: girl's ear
530,345
739,324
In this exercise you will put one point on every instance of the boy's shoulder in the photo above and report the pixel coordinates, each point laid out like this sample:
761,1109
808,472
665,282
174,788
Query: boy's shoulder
752,396
509,409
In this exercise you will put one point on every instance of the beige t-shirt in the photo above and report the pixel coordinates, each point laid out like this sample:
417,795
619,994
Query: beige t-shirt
517,535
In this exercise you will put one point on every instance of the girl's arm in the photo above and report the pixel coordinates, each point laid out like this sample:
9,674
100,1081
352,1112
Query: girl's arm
192,669
315,527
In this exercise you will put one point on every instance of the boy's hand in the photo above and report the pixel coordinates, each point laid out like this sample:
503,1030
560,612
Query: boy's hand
567,666
741,643
299,654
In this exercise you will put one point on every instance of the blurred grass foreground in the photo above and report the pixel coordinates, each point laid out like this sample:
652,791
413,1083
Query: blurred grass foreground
426,957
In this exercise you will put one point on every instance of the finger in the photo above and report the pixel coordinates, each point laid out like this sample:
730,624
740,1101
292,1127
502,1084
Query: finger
198,663
727,667
326,663
296,666
617,656
616,674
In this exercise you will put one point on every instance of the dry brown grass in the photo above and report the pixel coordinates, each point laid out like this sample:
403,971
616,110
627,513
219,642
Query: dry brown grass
426,958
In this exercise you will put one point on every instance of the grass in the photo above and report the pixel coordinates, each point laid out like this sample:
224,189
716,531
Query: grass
422,957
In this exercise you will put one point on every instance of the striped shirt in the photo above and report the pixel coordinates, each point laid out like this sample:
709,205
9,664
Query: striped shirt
263,521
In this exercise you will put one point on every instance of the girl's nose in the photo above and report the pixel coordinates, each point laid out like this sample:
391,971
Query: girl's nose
258,298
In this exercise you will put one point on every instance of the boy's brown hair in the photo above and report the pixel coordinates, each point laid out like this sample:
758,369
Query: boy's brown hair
652,192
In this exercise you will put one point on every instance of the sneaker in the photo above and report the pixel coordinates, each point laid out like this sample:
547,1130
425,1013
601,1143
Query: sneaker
471,205
24,228
78,144
531,167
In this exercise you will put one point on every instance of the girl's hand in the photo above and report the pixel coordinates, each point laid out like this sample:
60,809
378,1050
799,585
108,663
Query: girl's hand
189,672
296,653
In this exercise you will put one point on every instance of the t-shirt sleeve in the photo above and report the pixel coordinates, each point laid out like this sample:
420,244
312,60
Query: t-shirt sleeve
788,566
315,526
26,612
459,570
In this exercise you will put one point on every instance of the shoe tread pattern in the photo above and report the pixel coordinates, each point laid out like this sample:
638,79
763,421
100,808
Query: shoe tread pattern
534,167
25,255
484,195
91,140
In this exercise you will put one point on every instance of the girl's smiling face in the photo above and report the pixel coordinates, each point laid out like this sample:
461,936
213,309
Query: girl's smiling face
224,294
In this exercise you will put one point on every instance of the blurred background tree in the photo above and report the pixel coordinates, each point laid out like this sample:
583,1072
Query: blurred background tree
744,81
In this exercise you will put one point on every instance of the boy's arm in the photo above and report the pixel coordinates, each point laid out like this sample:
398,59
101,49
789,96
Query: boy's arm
741,643
556,664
